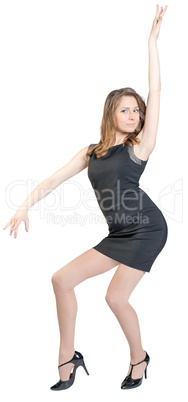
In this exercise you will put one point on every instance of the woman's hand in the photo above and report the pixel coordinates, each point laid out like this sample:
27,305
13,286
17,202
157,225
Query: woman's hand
17,218
157,23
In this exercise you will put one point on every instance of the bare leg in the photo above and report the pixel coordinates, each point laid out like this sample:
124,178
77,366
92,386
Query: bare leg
87,265
121,286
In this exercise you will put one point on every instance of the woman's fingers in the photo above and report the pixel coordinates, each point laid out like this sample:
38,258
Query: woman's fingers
11,230
7,224
156,16
157,13
15,222
27,225
163,11
160,13
15,233
15,226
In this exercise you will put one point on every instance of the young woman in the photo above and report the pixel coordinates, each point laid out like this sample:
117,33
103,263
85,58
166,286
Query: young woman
137,228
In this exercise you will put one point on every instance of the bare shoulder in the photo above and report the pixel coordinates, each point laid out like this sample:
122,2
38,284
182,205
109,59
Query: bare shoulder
81,156
79,161
142,150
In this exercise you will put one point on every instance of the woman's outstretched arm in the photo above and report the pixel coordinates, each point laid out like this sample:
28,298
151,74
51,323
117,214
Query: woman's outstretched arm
74,166
153,102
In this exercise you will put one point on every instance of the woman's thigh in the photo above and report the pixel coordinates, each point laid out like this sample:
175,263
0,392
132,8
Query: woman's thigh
123,282
88,264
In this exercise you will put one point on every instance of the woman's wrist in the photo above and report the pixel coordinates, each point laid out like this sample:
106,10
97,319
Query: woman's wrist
152,41
23,207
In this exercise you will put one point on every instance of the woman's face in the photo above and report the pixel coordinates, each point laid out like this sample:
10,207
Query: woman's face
127,114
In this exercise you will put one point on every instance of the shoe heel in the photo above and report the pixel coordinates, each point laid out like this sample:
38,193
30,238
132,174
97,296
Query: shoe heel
84,366
146,372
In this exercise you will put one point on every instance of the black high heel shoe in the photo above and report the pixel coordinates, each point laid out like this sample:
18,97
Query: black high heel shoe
78,360
130,382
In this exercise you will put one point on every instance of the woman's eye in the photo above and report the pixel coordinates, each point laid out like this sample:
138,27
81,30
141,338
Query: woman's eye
135,110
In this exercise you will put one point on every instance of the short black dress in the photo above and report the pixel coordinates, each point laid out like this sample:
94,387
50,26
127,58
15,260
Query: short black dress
137,228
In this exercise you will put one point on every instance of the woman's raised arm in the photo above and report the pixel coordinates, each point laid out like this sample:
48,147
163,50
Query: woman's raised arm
153,102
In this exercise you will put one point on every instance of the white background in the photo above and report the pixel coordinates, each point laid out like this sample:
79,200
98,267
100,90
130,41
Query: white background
59,61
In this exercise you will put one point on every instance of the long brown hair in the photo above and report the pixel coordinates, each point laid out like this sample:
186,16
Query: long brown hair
108,124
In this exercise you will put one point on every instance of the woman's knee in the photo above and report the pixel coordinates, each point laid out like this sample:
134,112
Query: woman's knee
59,281
113,300
55,280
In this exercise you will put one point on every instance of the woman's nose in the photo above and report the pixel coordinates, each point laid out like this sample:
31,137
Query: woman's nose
131,115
